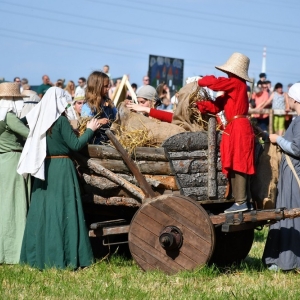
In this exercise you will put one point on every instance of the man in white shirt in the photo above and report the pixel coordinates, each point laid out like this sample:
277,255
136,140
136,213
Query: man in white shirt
81,86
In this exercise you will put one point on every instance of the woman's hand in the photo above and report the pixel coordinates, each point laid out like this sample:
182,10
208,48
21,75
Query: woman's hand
273,138
93,124
137,107
103,121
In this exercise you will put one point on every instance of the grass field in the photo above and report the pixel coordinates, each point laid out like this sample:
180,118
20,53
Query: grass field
119,278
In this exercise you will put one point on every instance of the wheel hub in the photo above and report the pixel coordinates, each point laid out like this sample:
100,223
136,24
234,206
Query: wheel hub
171,238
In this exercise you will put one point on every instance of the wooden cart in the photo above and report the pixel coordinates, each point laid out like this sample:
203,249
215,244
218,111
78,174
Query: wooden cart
171,211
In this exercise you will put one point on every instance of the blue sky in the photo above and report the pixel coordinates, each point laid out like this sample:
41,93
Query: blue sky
69,39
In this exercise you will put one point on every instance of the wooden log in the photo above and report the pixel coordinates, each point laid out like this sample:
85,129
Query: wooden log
117,192
212,189
112,201
109,152
200,193
117,179
199,180
146,188
146,167
156,181
99,182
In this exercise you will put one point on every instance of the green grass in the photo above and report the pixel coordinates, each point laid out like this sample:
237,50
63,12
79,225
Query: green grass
120,278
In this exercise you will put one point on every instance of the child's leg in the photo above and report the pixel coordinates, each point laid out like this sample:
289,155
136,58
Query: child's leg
239,186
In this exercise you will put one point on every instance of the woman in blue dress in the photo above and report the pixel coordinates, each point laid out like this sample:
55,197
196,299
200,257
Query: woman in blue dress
99,105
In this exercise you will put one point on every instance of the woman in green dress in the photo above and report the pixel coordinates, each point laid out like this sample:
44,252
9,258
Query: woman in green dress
14,189
55,233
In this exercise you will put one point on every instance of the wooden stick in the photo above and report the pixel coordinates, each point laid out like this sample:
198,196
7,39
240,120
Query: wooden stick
260,215
134,190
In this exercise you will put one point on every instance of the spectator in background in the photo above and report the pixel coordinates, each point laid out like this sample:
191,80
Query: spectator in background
59,83
23,82
263,77
146,81
106,70
260,99
81,86
269,85
164,95
70,88
42,89
18,81
278,101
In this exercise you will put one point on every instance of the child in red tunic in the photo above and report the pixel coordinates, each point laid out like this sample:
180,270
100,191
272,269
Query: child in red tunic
237,146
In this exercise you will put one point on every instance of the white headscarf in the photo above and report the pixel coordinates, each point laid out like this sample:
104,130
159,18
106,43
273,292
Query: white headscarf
294,92
40,119
7,105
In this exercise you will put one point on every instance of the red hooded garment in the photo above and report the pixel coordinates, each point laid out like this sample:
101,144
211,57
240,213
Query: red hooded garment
237,145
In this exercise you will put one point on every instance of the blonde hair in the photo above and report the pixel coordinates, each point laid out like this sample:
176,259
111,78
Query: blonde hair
68,87
93,91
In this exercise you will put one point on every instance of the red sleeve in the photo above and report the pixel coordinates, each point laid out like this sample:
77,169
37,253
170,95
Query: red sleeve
164,116
217,84
208,107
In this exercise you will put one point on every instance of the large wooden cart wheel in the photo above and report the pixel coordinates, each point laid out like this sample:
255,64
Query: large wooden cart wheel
171,233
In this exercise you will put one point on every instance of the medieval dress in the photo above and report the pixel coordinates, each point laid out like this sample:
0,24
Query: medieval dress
283,241
237,145
14,189
56,233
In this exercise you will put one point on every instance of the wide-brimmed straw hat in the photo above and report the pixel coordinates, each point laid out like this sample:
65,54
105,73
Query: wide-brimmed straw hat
10,89
237,64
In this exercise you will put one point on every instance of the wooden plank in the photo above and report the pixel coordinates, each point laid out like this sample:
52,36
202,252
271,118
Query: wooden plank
121,92
140,252
99,232
212,189
260,215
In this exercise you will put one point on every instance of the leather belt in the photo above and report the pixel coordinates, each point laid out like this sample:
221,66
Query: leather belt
236,117
58,156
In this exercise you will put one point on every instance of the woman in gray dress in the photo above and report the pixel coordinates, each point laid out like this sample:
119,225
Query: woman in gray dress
282,249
